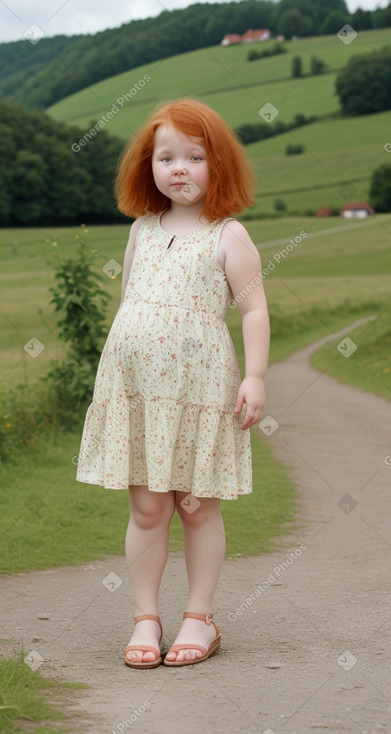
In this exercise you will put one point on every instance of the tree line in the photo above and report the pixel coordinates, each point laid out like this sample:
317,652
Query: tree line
41,74
44,182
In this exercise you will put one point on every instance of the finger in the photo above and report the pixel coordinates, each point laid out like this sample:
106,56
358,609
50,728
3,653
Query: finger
251,420
247,418
239,403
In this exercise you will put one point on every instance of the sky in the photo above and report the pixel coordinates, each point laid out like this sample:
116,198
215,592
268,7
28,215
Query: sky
72,17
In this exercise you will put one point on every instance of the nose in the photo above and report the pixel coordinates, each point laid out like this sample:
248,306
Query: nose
179,168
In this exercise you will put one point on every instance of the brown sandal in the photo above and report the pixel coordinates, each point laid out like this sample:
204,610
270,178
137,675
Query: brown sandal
145,648
213,647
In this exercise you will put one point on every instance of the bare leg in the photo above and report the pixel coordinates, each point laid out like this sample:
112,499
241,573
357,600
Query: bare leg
146,548
204,539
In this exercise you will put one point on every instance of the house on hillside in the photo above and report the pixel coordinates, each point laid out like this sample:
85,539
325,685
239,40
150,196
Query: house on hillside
357,209
249,37
231,38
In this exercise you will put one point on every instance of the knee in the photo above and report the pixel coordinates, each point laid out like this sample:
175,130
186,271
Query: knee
195,511
155,509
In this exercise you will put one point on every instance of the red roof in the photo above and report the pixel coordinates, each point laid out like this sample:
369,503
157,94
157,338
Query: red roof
232,38
325,212
355,205
250,35
253,34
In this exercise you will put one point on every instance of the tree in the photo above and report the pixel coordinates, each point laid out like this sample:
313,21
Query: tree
333,22
293,23
380,188
362,20
44,181
29,187
296,67
315,11
317,65
382,17
361,74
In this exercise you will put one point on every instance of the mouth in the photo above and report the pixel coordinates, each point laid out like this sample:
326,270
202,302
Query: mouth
179,183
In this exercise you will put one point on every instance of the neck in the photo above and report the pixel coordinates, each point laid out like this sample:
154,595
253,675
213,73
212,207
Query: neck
186,216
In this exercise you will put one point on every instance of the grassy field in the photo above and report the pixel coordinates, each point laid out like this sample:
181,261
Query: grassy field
322,272
336,167
224,78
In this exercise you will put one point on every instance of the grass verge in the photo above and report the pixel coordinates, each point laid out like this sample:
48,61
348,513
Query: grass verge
30,702
366,362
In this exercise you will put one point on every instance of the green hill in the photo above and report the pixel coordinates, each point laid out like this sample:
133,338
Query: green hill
338,150
223,78
54,68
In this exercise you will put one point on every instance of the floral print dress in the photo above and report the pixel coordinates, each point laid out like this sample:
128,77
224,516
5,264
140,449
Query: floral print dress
162,409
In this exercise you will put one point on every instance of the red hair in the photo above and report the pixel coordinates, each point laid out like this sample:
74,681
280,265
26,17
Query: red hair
232,181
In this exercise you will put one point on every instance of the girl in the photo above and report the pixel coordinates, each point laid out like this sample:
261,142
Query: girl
170,416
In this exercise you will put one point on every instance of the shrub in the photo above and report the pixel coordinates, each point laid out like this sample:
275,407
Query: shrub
380,188
81,305
250,133
317,65
294,149
26,415
279,205
364,84
278,48
296,67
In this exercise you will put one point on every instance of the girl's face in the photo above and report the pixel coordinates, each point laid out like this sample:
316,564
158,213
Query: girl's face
179,166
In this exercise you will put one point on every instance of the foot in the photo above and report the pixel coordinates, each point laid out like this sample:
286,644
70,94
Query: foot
192,630
146,632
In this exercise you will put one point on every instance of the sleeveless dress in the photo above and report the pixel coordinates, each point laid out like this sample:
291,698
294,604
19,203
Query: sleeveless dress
167,381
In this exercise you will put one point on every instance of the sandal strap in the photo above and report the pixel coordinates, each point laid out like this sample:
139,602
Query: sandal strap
207,618
154,617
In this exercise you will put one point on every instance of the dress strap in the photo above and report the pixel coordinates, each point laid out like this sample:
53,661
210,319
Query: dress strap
218,229
221,222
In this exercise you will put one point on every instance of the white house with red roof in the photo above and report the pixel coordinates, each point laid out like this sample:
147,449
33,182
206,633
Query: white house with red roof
249,37
357,209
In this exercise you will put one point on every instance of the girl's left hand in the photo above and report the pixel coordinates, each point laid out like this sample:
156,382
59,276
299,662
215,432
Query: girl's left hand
251,392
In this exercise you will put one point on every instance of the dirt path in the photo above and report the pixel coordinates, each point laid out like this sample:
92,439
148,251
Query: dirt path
309,652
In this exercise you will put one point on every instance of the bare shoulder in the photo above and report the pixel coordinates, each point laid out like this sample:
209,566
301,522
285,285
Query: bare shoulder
235,240
134,230
137,224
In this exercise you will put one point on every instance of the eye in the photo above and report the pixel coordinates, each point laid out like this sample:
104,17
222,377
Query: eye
197,157
166,159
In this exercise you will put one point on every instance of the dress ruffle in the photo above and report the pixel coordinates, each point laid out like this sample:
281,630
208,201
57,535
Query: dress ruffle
167,446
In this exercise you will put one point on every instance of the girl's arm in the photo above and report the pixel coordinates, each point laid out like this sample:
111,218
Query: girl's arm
243,269
129,255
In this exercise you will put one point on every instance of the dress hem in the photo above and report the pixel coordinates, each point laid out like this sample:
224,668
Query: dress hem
101,483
